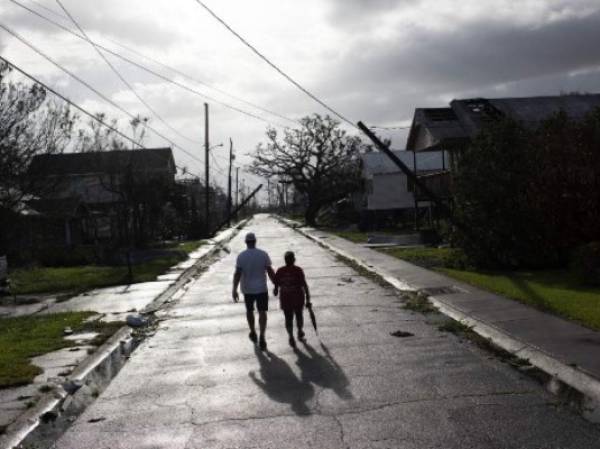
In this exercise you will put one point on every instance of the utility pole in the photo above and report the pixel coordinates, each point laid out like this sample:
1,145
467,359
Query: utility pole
231,157
237,186
268,193
206,172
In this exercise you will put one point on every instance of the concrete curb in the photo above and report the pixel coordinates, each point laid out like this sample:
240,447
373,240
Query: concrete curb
562,376
105,363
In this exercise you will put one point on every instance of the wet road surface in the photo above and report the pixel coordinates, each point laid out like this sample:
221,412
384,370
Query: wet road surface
200,383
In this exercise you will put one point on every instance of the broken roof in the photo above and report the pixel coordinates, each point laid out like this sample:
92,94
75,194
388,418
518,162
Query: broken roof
447,128
474,113
148,159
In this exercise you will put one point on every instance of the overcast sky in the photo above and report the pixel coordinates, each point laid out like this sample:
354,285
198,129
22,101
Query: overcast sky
372,60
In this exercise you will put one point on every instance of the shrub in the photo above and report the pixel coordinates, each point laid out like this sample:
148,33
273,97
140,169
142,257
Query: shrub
527,196
585,263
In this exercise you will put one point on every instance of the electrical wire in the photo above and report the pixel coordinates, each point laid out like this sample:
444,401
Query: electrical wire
390,127
81,109
122,78
163,77
90,87
275,67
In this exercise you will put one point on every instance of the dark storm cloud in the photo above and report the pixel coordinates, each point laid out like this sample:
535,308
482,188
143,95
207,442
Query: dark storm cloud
479,53
388,79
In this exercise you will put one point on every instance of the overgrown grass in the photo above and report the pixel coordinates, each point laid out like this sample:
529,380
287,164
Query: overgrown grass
52,280
554,291
24,337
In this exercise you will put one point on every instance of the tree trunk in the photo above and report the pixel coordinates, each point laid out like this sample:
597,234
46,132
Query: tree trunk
310,215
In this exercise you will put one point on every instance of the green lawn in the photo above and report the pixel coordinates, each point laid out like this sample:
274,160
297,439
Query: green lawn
428,257
25,337
362,237
76,279
187,246
553,291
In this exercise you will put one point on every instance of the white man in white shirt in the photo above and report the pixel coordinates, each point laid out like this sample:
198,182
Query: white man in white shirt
251,268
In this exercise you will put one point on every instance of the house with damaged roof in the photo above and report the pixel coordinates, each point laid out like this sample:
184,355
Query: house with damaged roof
451,129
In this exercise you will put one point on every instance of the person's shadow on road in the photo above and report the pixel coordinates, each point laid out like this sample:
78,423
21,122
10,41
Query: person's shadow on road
281,384
323,370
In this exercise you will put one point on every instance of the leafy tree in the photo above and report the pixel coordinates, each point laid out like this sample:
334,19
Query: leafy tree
319,159
530,195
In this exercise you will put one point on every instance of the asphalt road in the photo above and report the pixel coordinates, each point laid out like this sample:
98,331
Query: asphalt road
200,383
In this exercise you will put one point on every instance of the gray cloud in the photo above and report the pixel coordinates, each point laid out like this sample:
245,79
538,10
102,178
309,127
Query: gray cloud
352,13
389,79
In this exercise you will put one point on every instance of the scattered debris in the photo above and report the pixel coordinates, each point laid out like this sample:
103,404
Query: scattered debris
49,417
401,334
418,303
136,321
46,388
72,386
95,420
68,331
454,327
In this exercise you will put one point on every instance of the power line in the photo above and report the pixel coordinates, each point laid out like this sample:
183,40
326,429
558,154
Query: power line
390,127
92,88
161,76
121,77
81,109
280,71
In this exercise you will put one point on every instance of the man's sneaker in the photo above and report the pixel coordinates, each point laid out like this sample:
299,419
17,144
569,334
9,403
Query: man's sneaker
292,342
301,336
252,337
262,344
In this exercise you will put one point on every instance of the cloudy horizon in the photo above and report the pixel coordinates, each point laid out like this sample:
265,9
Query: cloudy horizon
374,61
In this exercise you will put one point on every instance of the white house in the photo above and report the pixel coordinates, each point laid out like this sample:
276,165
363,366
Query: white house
387,187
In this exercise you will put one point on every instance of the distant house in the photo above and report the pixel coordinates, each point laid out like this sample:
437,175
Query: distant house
451,129
88,191
387,189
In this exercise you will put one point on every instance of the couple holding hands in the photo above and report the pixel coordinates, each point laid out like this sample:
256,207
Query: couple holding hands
251,270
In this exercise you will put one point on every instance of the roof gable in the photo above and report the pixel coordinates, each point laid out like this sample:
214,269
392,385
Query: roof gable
153,160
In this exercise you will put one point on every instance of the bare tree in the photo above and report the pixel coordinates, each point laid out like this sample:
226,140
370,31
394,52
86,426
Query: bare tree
318,158
29,125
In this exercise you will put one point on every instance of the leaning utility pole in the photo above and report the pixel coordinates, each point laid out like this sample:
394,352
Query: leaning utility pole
206,172
231,157
240,206
237,188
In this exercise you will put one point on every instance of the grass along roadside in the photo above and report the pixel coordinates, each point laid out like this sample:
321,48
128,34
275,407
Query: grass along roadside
24,337
554,291
77,279
363,237
81,278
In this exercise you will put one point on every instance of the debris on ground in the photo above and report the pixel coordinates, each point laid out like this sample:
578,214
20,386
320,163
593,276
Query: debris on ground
401,334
